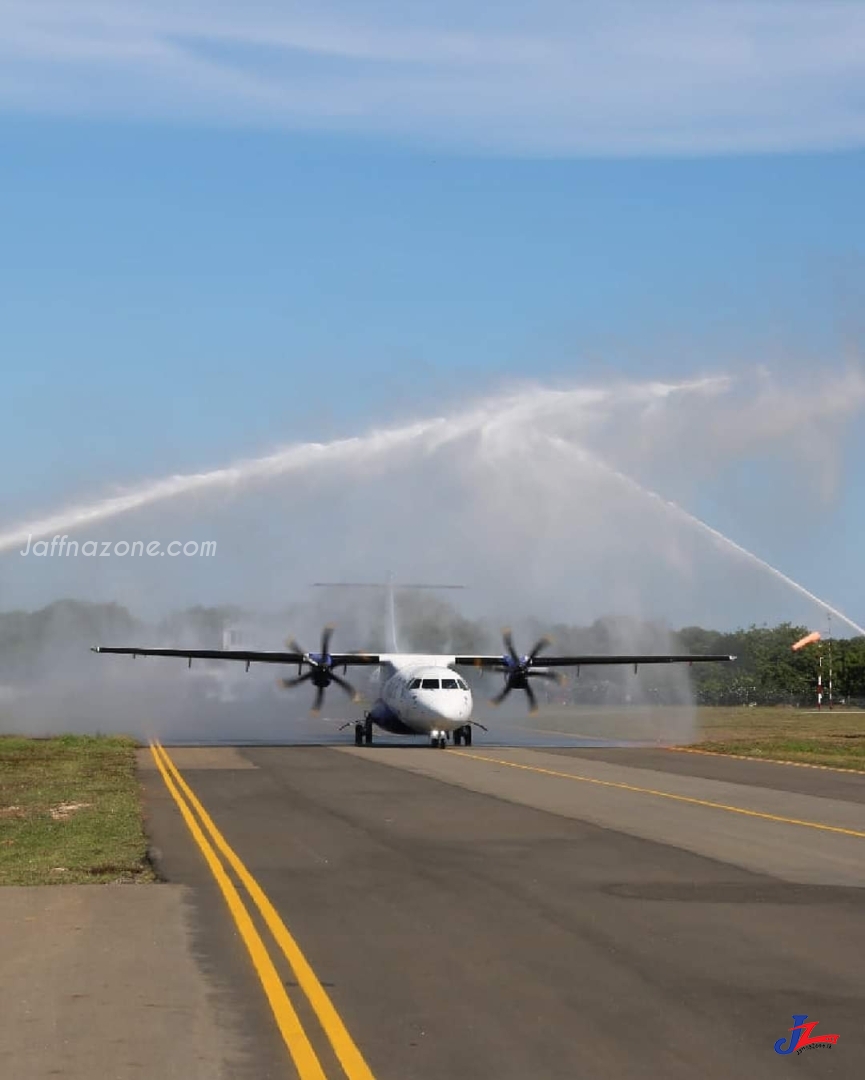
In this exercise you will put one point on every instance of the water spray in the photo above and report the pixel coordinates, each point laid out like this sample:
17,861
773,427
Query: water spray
428,435
532,409
698,523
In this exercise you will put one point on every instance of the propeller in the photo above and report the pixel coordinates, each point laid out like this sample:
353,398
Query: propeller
518,671
320,673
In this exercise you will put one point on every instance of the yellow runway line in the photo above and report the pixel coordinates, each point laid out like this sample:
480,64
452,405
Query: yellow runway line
304,1057
346,1050
664,795
765,760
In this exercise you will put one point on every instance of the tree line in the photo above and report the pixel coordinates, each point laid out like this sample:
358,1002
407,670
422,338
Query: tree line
766,670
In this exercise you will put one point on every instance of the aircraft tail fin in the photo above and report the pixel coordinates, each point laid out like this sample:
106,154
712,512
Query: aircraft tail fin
390,589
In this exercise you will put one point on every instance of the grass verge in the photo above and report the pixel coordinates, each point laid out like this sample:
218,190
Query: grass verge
835,738
70,811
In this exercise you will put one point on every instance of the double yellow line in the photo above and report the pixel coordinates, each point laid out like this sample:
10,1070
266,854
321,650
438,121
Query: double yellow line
212,844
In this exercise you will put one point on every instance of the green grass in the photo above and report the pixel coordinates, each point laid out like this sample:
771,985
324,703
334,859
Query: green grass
70,811
835,738
810,751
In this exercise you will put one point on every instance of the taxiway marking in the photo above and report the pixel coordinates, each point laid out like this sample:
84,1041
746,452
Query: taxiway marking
622,786
305,1059
346,1050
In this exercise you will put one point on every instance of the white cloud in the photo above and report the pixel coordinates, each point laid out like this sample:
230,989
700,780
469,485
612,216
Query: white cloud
612,77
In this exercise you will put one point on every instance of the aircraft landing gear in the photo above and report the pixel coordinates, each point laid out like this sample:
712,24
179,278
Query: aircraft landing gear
438,739
363,732
463,735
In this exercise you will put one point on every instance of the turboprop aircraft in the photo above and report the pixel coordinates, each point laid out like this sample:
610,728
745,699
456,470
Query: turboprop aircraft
419,694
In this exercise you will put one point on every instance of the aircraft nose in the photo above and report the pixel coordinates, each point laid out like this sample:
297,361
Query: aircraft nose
457,707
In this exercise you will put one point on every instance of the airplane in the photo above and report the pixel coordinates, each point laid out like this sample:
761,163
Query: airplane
420,694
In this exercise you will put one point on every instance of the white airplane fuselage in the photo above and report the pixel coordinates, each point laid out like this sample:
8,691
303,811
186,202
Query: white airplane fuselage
422,695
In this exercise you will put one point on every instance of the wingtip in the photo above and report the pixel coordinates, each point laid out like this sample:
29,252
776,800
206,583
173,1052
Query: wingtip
95,648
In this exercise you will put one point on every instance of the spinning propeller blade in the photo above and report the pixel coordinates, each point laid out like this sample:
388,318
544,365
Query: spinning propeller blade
518,670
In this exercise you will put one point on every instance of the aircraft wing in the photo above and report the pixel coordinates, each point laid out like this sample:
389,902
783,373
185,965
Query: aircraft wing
248,656
362,659
503,663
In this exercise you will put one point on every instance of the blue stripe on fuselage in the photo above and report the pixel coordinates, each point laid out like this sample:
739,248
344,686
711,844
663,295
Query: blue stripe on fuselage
388,720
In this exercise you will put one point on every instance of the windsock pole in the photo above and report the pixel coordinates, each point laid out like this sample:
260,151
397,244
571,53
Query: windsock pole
820,681
810,639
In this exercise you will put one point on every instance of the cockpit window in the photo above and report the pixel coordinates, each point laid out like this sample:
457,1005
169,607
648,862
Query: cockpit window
462,685
429,684
414,684
449,684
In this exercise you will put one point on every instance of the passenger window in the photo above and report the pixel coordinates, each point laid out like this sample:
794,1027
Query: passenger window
430,684
414,684
449,684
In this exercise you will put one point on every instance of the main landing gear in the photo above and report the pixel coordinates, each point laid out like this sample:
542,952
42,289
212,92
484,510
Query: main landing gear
363,732
463,736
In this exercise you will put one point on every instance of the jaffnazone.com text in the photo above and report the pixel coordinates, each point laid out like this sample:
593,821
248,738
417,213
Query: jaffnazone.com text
63,547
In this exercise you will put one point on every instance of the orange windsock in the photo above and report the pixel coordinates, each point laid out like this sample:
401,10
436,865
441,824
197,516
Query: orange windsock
808,639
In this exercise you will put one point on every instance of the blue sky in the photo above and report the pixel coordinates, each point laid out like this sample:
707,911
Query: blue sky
225,231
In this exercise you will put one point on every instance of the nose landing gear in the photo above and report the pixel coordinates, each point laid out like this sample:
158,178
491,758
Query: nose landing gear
438,739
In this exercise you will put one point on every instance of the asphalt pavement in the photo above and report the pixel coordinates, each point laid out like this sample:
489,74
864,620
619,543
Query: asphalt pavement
533,913
104,981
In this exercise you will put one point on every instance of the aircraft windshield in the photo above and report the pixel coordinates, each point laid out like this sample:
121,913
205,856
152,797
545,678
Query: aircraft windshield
449,684
430,684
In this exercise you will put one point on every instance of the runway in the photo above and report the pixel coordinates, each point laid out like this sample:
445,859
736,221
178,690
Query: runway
521,912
